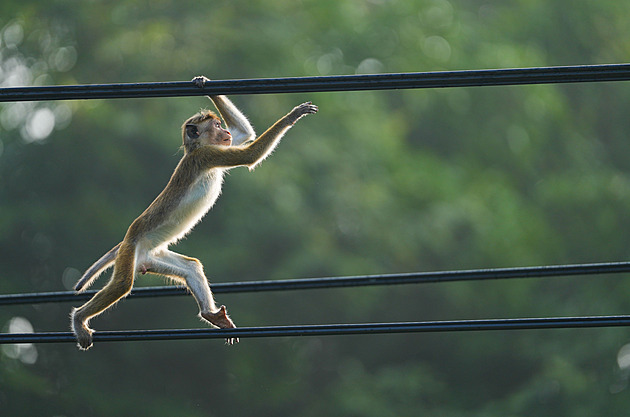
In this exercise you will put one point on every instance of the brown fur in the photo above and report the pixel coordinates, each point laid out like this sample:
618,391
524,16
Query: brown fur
192,190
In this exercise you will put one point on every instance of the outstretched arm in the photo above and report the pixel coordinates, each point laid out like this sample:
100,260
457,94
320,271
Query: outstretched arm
255,152
238,125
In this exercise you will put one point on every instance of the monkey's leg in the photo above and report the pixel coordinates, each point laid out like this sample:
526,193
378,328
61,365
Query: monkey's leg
190,270
119,286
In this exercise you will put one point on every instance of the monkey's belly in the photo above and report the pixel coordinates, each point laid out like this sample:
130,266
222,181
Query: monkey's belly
189,211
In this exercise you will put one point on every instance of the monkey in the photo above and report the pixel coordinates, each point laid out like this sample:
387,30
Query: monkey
209,151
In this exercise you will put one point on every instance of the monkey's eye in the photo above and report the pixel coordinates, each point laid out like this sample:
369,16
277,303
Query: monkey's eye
218,124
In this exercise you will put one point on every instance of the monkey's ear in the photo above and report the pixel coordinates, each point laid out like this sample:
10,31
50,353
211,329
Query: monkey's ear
192,131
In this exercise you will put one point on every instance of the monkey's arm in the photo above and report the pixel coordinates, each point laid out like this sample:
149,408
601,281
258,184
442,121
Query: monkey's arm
238,125
255,152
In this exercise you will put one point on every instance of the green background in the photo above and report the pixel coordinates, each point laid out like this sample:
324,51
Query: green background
376,182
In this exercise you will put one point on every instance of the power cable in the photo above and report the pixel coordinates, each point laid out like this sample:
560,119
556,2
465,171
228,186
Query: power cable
439,79
329,329
468,78
337,282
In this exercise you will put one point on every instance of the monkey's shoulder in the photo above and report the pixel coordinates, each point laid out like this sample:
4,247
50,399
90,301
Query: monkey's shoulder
207,156
191,170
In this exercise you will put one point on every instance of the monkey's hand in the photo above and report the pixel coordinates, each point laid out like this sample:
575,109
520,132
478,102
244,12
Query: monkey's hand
222,321
302,110
200,81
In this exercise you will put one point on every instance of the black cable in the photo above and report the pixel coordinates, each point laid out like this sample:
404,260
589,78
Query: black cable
328,329
467,78
336,282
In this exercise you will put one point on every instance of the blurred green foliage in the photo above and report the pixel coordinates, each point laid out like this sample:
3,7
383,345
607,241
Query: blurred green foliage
376,182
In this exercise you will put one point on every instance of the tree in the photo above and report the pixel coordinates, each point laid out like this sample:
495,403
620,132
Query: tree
378,182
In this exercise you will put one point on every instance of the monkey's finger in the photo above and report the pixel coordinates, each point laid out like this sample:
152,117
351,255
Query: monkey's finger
200,81
309,107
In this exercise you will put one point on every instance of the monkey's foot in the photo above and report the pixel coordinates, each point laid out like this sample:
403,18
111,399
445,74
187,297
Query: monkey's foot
82,333
221,319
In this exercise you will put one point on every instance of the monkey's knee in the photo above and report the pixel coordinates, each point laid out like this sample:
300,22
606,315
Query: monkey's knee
195,264
80,329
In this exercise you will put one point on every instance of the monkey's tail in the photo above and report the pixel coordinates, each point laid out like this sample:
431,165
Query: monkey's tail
97,269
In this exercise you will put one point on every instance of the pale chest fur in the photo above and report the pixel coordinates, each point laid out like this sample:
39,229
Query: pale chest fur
192,206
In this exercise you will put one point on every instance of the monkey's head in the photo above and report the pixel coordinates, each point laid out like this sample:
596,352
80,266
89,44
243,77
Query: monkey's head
203,129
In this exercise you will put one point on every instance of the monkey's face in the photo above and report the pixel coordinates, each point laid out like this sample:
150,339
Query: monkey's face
209,132
215,133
